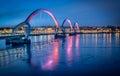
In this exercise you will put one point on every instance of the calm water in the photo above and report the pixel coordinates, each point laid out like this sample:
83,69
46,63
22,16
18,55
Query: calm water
80,55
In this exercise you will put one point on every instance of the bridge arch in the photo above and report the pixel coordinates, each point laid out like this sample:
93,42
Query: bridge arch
20,25
29,18
67,20
76,26
42,10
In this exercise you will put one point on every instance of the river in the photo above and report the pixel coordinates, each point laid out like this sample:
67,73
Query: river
79,55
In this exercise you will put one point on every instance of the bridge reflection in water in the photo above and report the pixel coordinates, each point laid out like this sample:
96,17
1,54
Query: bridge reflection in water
46,50
81,54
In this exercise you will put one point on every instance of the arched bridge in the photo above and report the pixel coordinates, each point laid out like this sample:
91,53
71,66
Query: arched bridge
27,21
28,26
76,28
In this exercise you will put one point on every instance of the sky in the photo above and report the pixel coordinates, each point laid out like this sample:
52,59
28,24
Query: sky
85,12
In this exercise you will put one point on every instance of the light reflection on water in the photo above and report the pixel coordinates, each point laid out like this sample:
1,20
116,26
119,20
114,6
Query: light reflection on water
51,61
83,53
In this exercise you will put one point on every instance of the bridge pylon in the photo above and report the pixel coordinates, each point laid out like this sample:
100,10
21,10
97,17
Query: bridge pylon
61,35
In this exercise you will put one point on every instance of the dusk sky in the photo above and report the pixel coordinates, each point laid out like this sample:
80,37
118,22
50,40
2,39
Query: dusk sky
85,12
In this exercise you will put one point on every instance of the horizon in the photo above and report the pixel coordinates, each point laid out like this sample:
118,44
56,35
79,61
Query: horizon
66,26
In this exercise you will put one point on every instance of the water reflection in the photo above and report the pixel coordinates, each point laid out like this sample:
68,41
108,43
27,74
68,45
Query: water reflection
96,39
42,38
77,38
117,37
51,61
29,55
49,54
69,53
107,39
81,51
9,55
72,51
77,45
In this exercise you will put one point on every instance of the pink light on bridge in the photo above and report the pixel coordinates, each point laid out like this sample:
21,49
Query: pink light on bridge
30,18
77,26
67,20
46,11
70,23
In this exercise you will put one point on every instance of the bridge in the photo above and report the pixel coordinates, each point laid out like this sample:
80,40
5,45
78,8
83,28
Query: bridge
59,31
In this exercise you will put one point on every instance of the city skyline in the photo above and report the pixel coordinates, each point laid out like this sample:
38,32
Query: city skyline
85,12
